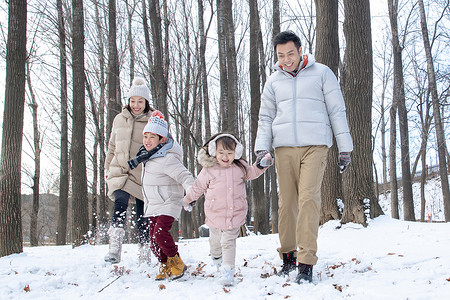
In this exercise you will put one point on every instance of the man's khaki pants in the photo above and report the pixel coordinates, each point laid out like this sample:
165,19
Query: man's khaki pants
300,172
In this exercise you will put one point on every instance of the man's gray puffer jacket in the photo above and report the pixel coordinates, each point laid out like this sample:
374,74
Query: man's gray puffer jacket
303,110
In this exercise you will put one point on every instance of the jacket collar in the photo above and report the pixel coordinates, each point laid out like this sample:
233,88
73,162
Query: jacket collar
307,61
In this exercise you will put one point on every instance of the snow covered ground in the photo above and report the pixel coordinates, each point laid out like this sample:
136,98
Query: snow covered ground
390,259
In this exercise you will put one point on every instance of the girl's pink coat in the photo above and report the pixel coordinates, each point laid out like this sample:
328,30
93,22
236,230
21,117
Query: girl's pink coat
225,196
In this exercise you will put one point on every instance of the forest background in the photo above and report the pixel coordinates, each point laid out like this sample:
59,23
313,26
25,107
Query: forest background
206,63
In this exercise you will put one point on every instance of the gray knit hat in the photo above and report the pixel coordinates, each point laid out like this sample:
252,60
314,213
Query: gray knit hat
157,125
139,88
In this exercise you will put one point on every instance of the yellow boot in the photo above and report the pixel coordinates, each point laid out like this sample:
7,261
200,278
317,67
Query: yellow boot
164,272
176,266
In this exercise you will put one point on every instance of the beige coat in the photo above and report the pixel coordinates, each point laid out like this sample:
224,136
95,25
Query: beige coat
126,138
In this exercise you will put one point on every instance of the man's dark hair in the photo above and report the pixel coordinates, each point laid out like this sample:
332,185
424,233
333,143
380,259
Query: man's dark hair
284,37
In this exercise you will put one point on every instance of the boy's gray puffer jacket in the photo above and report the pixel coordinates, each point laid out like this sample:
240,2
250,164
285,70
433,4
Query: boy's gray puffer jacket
164,180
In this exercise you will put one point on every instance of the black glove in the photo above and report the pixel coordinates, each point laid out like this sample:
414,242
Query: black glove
142,156
263,159
344,160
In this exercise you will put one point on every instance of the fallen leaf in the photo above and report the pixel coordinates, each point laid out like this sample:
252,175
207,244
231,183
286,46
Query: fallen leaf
338,287
27,288
286,284
265,275
448,279
226,290
285,297
162,287
390,253
246,263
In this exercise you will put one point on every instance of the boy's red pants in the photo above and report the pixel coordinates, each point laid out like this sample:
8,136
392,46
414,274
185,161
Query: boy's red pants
161,241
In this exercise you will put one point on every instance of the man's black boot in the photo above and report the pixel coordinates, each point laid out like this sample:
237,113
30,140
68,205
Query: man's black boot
289,264
304,273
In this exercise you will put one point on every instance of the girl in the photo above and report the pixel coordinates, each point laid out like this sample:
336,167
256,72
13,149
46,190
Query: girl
223,180
125,184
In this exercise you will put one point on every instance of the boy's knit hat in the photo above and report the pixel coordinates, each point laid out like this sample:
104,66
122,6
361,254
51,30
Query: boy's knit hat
139,88
157,125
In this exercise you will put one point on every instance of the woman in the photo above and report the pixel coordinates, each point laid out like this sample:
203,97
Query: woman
123,183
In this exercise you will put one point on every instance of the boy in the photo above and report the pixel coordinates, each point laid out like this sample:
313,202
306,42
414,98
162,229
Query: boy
164,179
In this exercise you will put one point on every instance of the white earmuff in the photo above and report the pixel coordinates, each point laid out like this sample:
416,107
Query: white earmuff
237,152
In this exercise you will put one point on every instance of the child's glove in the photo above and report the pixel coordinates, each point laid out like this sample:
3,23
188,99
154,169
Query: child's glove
264,159
344,161
189,206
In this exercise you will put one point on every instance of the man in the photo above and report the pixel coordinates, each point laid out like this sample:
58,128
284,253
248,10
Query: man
301,107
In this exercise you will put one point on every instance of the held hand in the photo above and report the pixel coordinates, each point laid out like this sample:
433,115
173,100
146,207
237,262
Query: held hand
344,161
189,207
266,161
259,156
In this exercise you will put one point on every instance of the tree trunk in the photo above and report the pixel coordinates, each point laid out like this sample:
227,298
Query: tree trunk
399,95
93,213
202,67
223,67
357,90
34,235
149,51
233,98
423,179
158,70
260,204
276,17
186,219
113,80
64,159
11,155
392,160
327,53
80,220
130,12
102,205
440,134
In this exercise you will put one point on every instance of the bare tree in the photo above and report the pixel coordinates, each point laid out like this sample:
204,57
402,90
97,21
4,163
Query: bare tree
232,73
327,52
113,80
80,220
384,74
224,109
272,171
436,112
260,204
64,153
357,92
131,7
34,237
202,65
158,68
399,99
11,155
102,205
